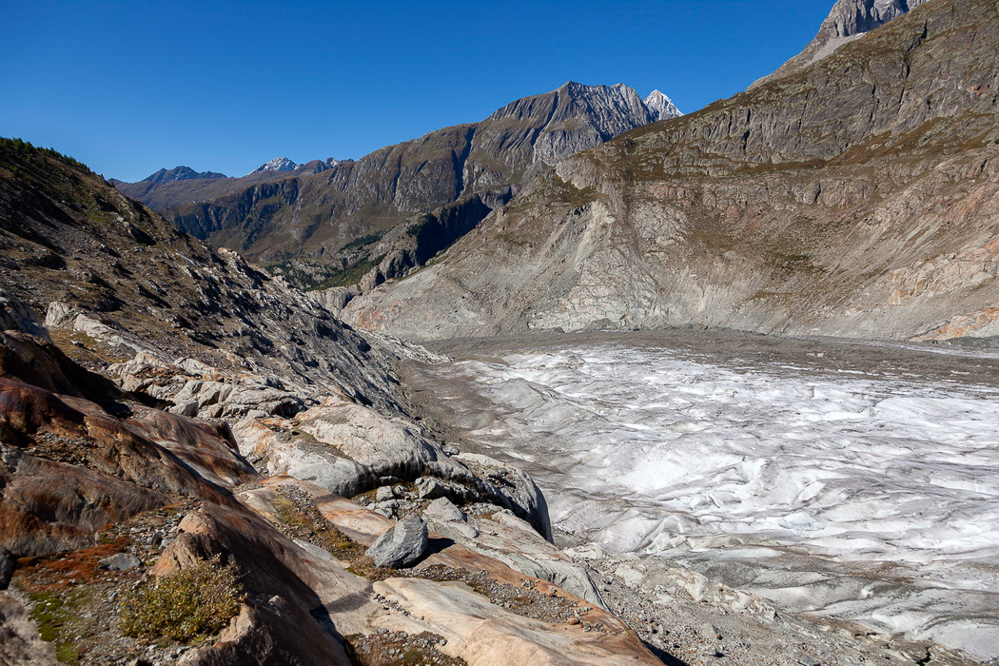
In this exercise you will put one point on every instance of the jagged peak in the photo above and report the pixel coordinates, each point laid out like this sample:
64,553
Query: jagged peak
661,107
276,164
847,20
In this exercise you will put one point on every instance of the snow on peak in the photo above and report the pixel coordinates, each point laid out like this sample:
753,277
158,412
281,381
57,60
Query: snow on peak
277,164
661,106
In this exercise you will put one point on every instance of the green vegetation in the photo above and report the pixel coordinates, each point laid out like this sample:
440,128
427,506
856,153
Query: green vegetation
349,275
200,600
51,612
793,263
25,147
366,239
510,238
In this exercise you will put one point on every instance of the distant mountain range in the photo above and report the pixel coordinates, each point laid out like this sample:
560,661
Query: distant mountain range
283,164
324,222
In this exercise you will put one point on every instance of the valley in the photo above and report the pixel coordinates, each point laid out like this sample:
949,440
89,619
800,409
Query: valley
587,381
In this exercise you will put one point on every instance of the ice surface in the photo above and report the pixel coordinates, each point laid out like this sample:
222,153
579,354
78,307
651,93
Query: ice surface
866,498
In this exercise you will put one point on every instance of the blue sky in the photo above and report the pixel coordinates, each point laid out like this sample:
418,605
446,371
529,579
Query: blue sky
130,87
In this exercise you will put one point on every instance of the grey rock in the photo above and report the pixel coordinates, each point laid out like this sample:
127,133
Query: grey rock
121,562
7,562
402,545
429,488
384,494
185,408
848,20
444,510
21,642
16,315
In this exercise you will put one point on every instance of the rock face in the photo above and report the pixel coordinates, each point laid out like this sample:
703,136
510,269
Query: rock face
328,227
661,107
856,197
848,20
181,173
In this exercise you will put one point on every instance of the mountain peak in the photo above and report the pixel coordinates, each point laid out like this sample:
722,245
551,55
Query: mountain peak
847,21
276,164
661,107
181,173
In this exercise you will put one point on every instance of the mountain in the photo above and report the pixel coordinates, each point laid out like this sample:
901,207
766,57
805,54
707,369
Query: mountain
857,197
276,164
181,173
182,185
661,107
848,20
324,224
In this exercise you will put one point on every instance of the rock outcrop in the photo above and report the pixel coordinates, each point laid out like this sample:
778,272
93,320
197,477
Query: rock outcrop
856,197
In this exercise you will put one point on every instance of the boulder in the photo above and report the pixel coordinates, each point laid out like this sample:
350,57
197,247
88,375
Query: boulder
276,632
120,562
401,545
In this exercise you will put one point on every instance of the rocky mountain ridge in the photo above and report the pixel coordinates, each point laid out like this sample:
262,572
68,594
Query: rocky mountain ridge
321,225
283,164
181,173
661,107
855,197
276,164
848,20
181,185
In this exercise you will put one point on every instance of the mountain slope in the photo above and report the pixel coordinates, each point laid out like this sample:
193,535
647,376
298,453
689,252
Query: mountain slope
72,245
848,20
310,218
182,185
855,197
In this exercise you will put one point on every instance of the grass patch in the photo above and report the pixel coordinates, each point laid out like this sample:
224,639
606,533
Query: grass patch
302,520
366,239
52,613
510,238
793,263
349,275
200,600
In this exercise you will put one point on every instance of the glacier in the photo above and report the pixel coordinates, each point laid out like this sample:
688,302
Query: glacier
864,492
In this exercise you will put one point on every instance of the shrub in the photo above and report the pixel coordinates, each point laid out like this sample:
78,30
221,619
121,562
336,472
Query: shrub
199,600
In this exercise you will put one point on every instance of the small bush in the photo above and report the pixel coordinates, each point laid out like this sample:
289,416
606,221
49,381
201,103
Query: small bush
199,600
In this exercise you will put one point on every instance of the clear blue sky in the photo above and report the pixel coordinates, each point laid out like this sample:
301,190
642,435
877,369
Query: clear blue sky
130,87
